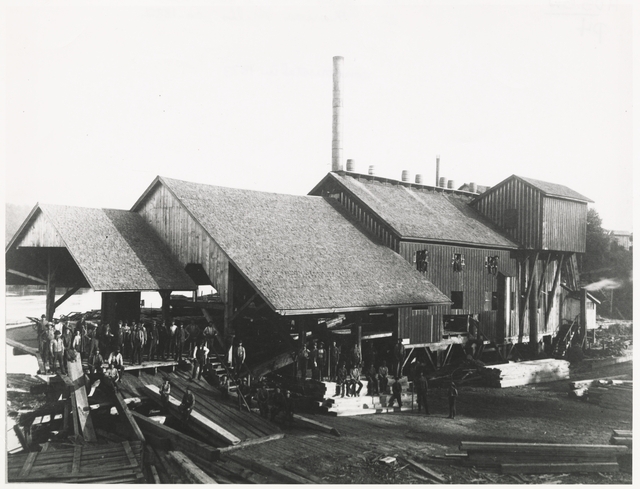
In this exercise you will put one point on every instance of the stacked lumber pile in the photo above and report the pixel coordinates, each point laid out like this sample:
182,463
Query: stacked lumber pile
522,373
622,437
542,458
99,464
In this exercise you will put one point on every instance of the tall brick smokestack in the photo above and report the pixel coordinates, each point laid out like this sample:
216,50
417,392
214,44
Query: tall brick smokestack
336,145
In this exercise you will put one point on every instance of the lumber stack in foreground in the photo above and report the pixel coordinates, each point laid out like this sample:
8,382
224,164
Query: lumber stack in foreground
522,373
622,437
542,458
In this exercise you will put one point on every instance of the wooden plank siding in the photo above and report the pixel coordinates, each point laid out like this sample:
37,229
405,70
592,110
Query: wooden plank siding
476,284
542,222
527,202
564,225
41,234
186,238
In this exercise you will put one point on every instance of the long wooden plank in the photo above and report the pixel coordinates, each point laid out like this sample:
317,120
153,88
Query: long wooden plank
77,455
540,447
280,475
179,440
31,459
197,418
432,474
316,424
191,471
76,374
123,410
553,468
132,459
251,442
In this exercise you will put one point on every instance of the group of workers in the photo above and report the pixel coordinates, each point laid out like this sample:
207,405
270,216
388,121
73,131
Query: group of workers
324,363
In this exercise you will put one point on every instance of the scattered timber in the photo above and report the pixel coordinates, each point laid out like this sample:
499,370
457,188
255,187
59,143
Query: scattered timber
542,458
178,440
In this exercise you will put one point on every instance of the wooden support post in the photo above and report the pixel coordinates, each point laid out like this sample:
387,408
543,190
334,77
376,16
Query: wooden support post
543,275
556,281
51,289
533,311
358,331
229,331
166,306
583,314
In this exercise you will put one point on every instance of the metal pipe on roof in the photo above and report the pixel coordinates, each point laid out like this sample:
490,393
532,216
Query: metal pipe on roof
473,187
438,170
336,144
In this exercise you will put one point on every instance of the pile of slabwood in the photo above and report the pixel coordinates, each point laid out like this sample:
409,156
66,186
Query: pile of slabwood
608,393
542,458
522,373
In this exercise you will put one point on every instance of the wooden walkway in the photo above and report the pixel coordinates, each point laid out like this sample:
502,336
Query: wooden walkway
109,463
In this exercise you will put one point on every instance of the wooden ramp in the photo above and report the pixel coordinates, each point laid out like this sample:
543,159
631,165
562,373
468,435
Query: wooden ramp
99,464
79,394
219,418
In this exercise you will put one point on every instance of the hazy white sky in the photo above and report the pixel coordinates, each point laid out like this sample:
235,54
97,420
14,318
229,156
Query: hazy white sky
102,97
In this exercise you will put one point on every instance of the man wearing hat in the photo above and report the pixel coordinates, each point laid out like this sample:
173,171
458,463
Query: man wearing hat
453,395
57,353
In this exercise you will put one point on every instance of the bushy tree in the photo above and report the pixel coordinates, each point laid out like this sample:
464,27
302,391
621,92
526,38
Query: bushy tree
604,259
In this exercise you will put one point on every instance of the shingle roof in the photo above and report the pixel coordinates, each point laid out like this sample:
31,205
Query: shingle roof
554,189
425,214
116,249
300,253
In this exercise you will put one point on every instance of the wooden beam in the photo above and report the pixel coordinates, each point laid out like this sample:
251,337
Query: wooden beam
79,395
133,461
316,424
179,441
191,471
77,455
272,364
28,464
446,357
432,474
556,281
525,301
544,274
66,295
243,307
26,275
123,410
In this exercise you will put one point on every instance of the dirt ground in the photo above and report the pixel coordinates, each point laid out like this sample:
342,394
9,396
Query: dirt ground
540,413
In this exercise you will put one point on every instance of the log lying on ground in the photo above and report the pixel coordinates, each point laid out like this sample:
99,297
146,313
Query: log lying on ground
540,458
316,424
